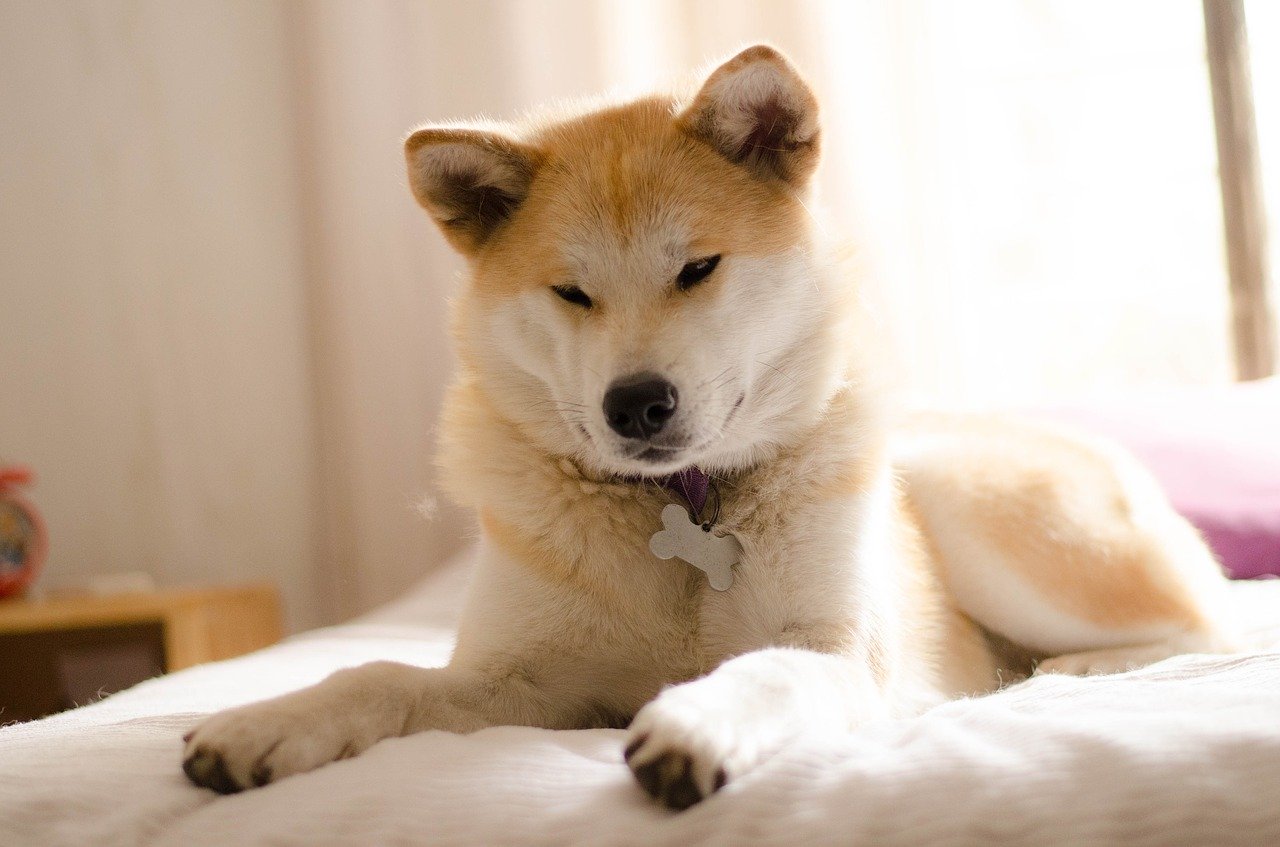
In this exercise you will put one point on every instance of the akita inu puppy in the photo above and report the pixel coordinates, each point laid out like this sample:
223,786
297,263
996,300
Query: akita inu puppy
698,522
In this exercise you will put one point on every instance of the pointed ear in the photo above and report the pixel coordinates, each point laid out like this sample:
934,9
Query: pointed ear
470,181
757,111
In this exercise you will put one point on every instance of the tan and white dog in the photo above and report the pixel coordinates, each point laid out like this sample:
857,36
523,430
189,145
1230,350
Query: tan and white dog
647,295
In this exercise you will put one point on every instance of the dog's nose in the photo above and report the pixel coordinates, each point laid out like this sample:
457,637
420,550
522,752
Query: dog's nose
639,406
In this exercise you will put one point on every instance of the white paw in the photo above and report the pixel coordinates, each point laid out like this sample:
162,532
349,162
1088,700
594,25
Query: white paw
682,753
264,742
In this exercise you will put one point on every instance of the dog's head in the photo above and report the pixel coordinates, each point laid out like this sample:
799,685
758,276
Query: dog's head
644,292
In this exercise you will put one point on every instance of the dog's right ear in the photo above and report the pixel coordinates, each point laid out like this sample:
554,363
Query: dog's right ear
470,181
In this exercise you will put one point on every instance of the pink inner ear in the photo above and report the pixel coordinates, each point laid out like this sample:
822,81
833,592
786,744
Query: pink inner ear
772,132
762,115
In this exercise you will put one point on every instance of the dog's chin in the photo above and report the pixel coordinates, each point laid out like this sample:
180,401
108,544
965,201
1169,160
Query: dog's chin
648,462
630,459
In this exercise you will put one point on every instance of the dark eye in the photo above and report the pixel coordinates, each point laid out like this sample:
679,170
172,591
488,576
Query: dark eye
572,294
695,272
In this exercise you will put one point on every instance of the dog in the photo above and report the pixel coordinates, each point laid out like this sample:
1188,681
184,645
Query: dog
701,522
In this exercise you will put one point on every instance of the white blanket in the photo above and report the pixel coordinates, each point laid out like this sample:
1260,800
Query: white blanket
1187,751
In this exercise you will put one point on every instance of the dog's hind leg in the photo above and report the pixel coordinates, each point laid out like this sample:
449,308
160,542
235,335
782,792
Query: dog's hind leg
1063,545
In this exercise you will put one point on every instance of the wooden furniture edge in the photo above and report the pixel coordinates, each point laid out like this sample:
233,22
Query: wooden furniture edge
199,625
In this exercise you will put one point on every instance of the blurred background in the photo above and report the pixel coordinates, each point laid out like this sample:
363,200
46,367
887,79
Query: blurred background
222,317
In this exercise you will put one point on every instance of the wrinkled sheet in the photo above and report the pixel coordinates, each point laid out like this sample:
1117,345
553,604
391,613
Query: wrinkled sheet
1186,751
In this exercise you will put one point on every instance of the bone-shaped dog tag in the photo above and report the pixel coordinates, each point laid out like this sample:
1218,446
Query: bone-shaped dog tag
682,538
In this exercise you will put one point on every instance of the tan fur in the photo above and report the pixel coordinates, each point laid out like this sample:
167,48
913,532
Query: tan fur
883,570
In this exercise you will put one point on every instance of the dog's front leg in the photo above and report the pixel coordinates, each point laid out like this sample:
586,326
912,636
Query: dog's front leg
349,712
693,738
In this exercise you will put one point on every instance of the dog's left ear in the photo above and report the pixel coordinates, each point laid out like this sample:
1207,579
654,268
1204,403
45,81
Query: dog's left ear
757,111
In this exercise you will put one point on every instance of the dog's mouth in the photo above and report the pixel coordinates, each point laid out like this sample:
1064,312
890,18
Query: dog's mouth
654,453
660,456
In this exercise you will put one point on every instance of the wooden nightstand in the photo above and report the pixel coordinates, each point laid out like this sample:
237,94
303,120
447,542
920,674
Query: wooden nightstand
61,652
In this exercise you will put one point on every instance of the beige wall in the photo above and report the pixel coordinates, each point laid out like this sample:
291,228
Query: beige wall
154,360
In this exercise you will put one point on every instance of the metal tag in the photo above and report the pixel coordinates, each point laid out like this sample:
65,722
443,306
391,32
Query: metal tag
683,539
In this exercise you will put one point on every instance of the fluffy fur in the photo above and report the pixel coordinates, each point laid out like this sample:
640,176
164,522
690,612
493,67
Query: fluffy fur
884,569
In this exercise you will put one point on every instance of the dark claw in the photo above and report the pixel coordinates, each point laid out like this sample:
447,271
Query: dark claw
683,792
261,774
677,793
633,747
210,771
650,777
187,736
221,781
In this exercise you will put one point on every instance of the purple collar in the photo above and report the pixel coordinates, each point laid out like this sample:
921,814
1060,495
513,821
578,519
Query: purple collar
690,484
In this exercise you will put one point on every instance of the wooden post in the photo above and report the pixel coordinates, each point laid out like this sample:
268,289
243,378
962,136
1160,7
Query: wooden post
1244,214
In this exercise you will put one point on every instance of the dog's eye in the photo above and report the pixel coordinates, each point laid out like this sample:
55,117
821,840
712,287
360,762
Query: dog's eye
572,294
695,272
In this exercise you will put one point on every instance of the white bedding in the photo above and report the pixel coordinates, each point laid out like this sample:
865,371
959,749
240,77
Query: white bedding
1187,751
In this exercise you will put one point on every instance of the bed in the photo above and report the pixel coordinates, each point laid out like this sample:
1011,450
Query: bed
1185,751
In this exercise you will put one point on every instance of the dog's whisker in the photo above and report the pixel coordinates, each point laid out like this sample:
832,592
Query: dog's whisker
718,376
777,370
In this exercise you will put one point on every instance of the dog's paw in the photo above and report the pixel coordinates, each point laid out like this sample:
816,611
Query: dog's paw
681,755
669,777
261,743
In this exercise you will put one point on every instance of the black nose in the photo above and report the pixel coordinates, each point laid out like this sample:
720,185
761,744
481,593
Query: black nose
639,406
